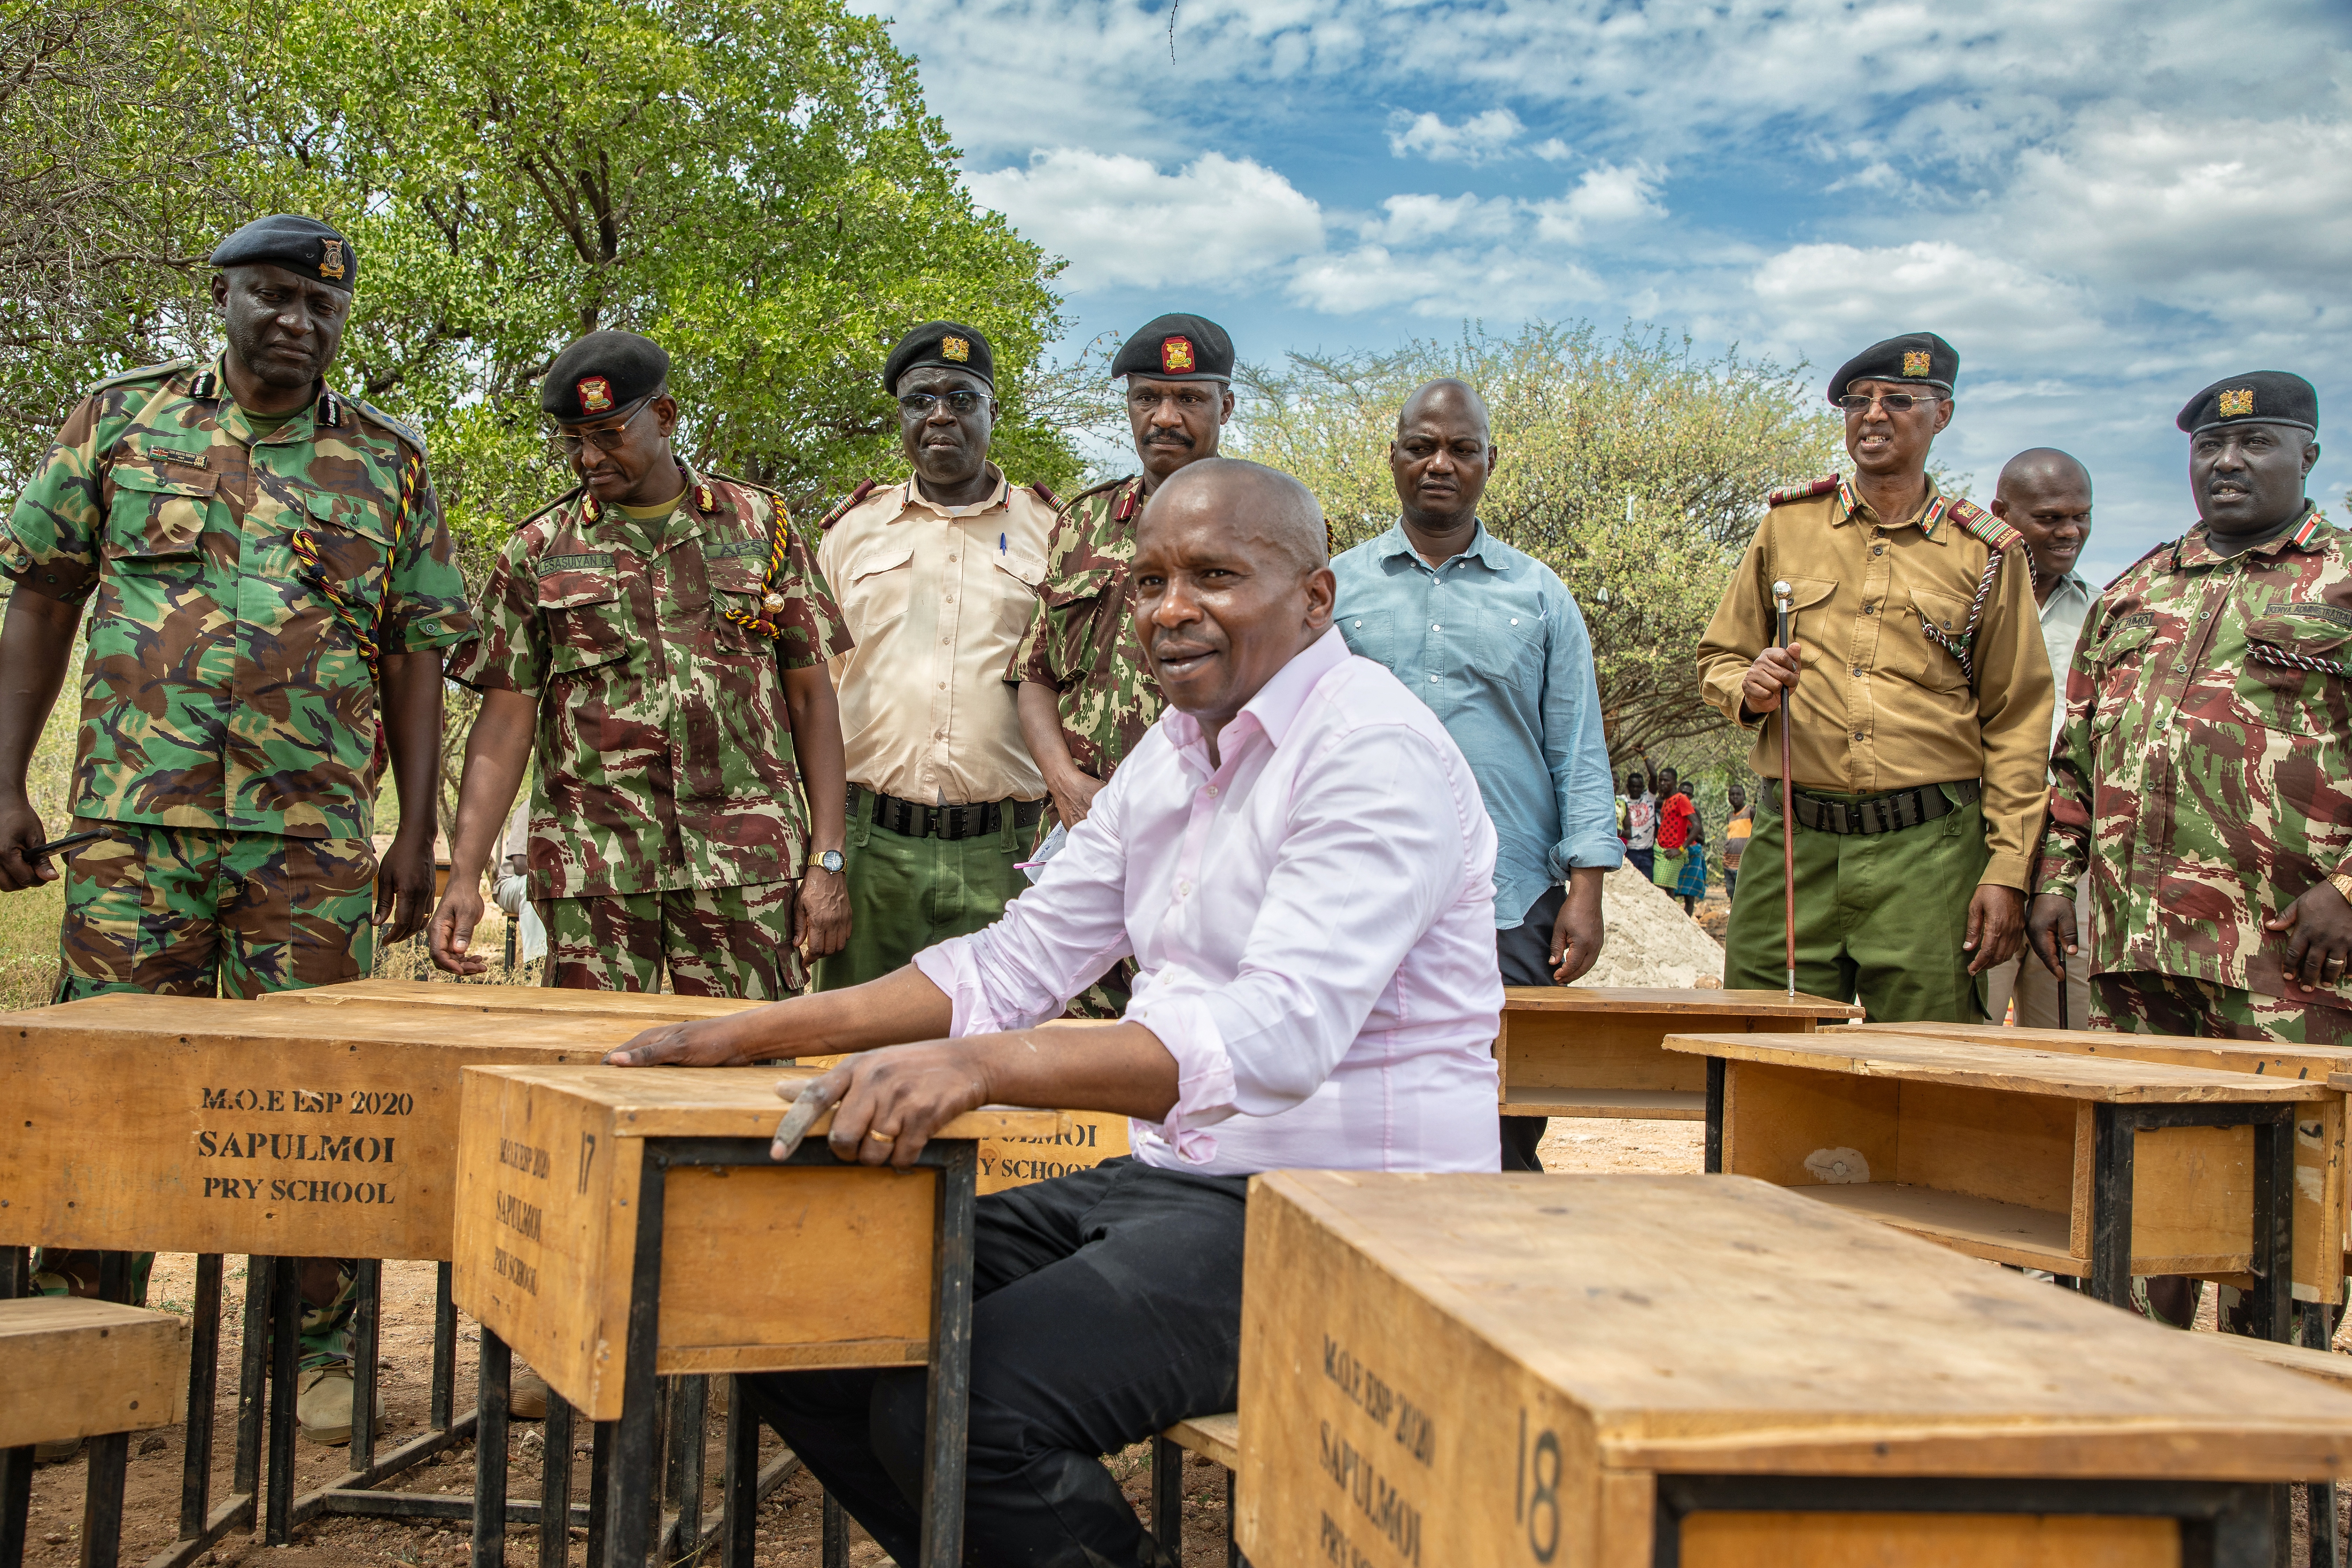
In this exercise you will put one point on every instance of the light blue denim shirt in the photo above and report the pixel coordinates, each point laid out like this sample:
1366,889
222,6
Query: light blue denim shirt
1494,643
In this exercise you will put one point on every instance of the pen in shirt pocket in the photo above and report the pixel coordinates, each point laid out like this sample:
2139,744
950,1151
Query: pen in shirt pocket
999,544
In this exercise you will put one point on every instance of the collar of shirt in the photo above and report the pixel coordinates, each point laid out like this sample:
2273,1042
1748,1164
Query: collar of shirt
1483,548
232,419
2194,551
1271,712
915,497
1928,516
2072,591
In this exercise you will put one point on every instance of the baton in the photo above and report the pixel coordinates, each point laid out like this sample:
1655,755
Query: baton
71,841
1781,596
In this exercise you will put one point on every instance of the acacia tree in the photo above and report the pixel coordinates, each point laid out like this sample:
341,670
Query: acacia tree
1630,465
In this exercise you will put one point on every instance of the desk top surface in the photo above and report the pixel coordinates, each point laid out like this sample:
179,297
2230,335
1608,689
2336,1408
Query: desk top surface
1834,1324
1668,999
207,1020
2266,1057
729,1102
1868,1053
647,1007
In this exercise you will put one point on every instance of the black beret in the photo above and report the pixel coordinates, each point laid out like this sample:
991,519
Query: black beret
1914,356
1177,348
950,345
602,373
299,244
2257,398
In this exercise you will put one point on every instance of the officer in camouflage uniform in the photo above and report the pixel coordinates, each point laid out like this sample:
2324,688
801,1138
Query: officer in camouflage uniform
273,586
656,640
1086,696
2203,779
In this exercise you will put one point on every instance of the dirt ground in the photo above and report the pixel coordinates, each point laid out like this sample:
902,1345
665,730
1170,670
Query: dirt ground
790,1520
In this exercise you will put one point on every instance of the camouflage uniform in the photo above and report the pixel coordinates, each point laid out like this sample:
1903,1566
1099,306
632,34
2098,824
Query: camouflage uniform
667,826
2201,781
228,726
1083,644
244,588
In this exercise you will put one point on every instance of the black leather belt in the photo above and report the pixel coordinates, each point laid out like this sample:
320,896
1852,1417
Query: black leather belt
1889,813
909,820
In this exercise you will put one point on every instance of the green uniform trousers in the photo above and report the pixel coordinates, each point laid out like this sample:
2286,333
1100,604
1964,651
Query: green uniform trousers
1880,916
714,942
2135,1002
906,894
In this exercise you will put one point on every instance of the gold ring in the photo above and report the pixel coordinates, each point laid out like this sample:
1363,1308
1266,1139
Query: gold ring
881,1137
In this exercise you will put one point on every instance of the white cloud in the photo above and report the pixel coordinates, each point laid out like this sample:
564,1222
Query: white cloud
1416,219
1605,196
1843,293
1477,138
1120,221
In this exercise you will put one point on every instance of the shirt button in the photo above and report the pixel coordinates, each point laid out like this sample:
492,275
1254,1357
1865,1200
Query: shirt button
1869,609
1857,669
2203,613
1183,889
1432,680
1514,620
1213,790
1435,628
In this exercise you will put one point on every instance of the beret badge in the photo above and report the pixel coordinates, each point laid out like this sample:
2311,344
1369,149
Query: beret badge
595,395
1916,361
330,258
956,349
2237,403
1176,354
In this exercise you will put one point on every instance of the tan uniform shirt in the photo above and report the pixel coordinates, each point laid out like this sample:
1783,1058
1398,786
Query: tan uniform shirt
1881,705
936,598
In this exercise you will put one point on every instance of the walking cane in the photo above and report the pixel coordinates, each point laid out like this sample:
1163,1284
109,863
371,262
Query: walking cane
1781,594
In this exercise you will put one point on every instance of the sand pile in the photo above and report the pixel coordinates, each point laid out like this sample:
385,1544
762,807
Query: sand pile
1648,941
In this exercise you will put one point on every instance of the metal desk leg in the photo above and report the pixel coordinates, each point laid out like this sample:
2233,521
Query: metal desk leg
16,1272
445,1352
101,1501
600,1491
835,1551
2273,1249
2111,1205
16,1502
948,1402
555,1485
634,1508
1715,1070
367,1288
252,1364
738,1483
689,1429
1234,1557
1167,1497
203,1386
496,1369
285,1368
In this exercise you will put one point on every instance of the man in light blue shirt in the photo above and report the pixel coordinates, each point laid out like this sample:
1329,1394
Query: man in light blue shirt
1492,641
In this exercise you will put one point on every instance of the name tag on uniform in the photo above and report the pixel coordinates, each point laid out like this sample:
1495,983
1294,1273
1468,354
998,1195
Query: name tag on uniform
591,560
739,548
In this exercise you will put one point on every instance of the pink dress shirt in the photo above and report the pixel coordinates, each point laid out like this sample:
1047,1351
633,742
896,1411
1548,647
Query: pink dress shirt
1313,919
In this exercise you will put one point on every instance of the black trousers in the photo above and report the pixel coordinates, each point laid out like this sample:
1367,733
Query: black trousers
1108,1308
1524,953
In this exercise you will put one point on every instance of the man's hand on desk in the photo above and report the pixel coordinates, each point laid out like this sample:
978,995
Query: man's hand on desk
886,1104
704,1043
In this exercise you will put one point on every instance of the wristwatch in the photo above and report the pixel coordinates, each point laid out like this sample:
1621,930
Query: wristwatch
830,860
2342,883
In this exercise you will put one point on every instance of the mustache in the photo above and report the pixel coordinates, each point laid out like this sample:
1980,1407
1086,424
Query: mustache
1171,438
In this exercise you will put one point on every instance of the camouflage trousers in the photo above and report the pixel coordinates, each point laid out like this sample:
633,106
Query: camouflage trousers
714,942
191,911
2138,1003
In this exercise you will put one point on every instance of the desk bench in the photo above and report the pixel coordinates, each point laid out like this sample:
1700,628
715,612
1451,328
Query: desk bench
1508,1370
94,1370
2094,1167
615,1223
1598,1050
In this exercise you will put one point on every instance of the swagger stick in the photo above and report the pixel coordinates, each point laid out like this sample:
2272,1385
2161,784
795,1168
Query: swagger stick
1781,594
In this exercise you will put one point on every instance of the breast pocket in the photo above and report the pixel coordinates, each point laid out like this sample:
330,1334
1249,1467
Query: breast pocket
1018,576
1929,614
878,584
353,541
2115,665
1510,646
579,604
1370,634
158,514
736,587
2292,680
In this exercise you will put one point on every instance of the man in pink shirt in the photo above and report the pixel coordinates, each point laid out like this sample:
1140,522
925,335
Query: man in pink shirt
1298,859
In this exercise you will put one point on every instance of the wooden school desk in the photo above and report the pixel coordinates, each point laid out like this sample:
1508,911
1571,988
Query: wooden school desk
615,1223
1637,1371
1598,1050
80,1369
275,1129
2321,1223
2094,1167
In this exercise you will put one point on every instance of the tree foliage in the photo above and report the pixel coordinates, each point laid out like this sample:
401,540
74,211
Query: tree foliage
756,184
1633,467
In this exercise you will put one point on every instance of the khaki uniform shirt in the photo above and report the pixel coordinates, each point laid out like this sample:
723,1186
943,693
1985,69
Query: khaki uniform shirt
1883,705
937,598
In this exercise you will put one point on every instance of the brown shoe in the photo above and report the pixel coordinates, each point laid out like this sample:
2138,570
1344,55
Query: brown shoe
527,1396
324,1407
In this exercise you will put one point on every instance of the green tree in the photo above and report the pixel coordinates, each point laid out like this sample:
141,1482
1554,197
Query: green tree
1633,466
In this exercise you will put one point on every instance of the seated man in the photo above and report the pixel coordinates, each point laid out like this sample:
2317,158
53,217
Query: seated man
1297,857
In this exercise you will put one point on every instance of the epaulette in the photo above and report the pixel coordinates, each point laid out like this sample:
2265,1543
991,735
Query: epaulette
1043,494
559,501
1994,533
1805,491
770,492
405,432
864,488
145,371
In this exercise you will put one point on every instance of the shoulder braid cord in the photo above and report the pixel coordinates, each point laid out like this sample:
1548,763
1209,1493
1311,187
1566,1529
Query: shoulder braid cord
364,635
772,603
2264,653
1963,646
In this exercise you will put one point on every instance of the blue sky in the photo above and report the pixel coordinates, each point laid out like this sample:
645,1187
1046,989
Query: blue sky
2104,204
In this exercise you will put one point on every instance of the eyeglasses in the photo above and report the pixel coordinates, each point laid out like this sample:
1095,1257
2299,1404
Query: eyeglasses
605,438
919,403
1893,401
